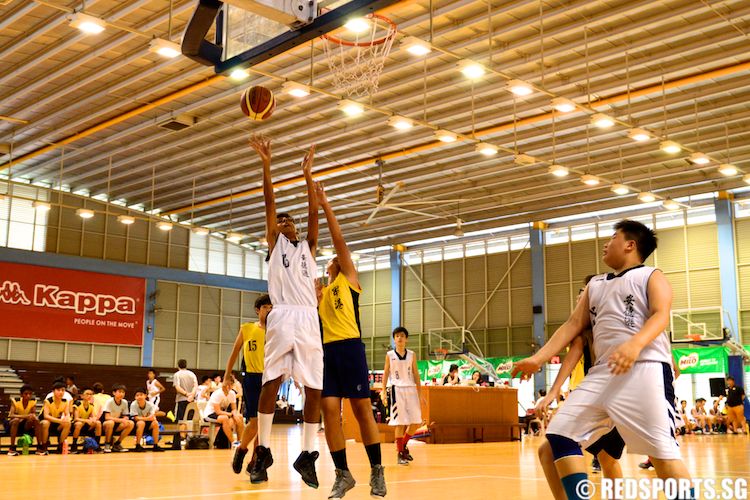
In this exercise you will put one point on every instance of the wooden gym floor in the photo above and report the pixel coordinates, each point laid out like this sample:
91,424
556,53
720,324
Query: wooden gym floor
458,472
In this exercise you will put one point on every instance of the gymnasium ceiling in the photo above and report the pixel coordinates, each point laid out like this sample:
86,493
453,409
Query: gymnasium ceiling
608,56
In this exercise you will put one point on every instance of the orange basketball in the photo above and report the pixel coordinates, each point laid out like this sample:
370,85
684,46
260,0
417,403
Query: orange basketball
258,103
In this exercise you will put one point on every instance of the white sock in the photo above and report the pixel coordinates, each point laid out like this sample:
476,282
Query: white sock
309,431
265,421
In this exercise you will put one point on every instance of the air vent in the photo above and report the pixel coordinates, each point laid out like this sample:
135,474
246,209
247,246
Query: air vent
179,122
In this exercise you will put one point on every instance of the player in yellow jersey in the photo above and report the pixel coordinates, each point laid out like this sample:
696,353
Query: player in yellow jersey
251,340
345,372
22,414
56,417
84,415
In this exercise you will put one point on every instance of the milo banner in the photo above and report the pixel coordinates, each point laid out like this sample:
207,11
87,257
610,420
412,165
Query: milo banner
701,360
429,369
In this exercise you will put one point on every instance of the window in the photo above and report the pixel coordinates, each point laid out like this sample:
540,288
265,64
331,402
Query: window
22,226
212,254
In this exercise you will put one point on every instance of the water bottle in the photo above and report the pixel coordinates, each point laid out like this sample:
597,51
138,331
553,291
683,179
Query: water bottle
25,448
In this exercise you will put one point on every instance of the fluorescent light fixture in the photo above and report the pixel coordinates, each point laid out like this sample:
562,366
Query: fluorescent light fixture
699,159
520,88
524,159
164,225
125,219
400,122
471,69
670,204
646,197
590,180
295,89
87,23
619,189
486,149
670,147
558,170
238,74
563,105
235,237
164,48
600,120
445,136
84,213
357,25
42,206
326,252
727,169
415,46
639,135
351,108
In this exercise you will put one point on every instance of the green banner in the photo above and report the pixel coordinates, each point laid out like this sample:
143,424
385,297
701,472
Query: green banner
429,369
701,360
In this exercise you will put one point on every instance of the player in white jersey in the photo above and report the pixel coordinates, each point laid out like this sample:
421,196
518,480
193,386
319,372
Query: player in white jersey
404,390
631,385
293,345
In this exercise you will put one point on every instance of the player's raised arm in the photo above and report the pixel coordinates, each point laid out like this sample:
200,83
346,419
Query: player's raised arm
312,201
575,324
262,145
236,348
660,304
339,244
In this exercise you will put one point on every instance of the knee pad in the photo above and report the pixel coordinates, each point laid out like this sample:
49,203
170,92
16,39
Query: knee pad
563,447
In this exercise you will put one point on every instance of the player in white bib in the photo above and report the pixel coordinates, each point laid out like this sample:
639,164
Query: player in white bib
402,378
293,345
631,385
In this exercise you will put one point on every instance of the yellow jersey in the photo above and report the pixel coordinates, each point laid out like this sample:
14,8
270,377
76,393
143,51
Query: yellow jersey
586,361
55,410
339,311
253,346
20,409
82,412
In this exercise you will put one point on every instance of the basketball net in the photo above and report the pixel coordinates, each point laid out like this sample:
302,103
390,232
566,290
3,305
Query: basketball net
357,60
440,354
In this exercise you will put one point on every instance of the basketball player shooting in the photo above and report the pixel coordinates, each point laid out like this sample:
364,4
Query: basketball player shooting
293,346
631,385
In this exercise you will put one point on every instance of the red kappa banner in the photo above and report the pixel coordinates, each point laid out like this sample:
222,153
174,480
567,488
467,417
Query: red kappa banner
59,304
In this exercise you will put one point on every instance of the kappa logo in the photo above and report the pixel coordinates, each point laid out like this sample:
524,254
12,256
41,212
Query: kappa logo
53,297
689,361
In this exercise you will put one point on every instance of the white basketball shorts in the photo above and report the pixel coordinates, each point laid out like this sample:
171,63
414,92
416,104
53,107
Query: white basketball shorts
639,403
294,347
405,406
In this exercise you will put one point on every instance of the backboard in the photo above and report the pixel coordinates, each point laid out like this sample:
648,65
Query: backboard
237,34
451,341
704,324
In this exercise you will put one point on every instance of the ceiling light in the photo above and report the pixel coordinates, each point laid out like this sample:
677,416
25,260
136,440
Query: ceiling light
200,231
235,237
670,147
295,89
415,46
355,256
471,69
87,23
486,149
520,88
600,120
164,48
727,169
524,159
590,180
351,108
84,213
619,189
357,25
326,252
558,170
563,105
125,219
746,179
445,136
164,225
42,206
699,159
639,135
238,74
459,232
646,197
400,122
670,204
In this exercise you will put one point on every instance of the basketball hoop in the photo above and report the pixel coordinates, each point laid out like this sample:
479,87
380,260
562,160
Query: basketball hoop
356,62
440,354
695,337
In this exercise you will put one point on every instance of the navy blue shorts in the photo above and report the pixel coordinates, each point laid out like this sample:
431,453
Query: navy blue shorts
251,385
345,372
